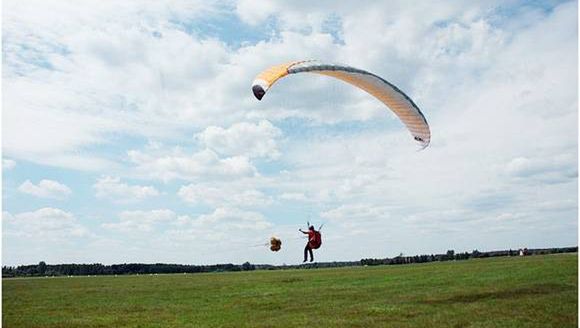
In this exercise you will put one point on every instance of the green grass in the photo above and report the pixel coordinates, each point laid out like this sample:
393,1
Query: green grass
536,291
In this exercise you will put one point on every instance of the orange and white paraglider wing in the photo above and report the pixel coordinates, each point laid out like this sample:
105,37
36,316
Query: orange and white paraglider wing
268,77
395,99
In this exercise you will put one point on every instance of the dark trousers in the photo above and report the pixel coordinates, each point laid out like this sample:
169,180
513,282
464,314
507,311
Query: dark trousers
307,250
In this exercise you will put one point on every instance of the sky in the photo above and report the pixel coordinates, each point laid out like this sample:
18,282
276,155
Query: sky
130,132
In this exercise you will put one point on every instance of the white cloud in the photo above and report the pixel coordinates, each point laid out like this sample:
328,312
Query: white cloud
130,50
254,12
112,188
223,224
356,212
232,218
131,222
223,194
177,164
50,224
245,139
45,189
8,164
557,169
558,205
297,196
47,234
164,231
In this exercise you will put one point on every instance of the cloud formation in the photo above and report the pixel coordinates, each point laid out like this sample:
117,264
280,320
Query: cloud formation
50,224
45,189
223,195
112,188
173,164
8,164
248,139
140,221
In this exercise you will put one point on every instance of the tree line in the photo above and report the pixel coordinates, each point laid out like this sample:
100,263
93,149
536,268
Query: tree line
43,269
452,256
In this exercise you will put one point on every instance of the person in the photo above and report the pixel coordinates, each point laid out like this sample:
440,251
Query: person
314,241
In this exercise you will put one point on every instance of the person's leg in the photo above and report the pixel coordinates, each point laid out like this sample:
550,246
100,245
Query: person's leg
306,248
311,254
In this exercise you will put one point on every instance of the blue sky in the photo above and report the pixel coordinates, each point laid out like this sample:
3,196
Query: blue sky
130,133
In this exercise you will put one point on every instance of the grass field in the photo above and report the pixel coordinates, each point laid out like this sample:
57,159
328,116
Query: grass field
536,291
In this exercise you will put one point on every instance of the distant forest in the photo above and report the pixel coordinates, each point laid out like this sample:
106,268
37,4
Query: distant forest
42,269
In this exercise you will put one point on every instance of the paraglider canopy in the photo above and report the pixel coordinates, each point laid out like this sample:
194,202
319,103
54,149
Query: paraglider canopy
395,99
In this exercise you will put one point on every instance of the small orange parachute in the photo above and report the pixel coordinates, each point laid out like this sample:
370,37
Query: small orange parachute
275,244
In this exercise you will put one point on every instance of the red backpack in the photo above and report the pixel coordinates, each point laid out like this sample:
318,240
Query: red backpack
316,241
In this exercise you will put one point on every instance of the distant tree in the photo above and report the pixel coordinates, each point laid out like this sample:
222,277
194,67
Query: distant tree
247,266
450,255
41,268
